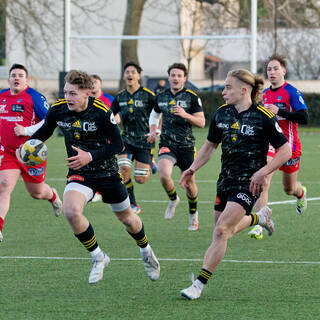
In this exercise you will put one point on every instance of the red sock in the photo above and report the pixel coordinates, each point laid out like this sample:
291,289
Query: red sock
54,196
1,223
302,194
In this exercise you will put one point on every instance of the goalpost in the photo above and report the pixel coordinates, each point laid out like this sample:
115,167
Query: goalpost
68,36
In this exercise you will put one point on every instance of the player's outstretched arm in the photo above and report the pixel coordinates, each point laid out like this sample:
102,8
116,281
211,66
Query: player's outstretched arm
202,158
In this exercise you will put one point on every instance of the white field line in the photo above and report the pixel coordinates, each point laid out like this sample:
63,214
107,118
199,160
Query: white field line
164,259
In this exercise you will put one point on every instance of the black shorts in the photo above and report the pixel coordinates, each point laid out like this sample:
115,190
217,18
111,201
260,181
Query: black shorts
183,158
141,155
242,196
112,189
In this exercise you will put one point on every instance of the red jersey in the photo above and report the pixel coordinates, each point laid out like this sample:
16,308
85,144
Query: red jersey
106,99
26,108
288,98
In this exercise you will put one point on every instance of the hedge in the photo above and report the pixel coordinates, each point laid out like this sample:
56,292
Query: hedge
212,100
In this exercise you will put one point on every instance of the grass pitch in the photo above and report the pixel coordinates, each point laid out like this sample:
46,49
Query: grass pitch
44,269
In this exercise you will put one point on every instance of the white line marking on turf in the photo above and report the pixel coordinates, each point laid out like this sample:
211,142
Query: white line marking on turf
164,259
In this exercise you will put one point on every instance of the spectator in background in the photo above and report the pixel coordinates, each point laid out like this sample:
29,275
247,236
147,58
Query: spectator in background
161,86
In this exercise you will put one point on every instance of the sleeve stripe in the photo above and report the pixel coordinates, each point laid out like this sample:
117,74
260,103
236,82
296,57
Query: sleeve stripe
223,105
100,103
188,90
59,102
265,111
100,106
145,89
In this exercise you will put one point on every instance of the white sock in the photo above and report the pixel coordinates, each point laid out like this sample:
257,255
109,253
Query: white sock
145,249
199,284
95,253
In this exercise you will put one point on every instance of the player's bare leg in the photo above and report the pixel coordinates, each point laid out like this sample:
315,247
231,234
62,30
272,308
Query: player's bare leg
165,167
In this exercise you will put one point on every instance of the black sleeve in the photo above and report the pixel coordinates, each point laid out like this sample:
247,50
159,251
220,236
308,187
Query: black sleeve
196,104
156,106
112,134
47,129
300,116
115,108
274,132
152,102
214,134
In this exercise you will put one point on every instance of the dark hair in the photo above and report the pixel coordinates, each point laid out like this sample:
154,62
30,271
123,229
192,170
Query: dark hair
278,57
178,65
18,66
79,78
96,77
132,64
253,80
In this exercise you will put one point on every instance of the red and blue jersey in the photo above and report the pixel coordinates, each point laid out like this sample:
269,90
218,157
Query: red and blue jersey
106,99
290,99
25,108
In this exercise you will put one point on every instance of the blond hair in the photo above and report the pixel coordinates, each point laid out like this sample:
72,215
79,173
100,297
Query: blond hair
253,80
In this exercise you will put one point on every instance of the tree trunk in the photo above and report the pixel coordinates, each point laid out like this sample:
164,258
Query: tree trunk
131,27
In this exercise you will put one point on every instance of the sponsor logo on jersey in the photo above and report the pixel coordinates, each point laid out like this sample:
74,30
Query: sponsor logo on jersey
162,104
244,198
17,108
223,125
247,130
182,104
172,103
235,126
292,162
89,126
75,177
164,150
36,171
63,124
3,108
130,101
138,103
13,119
122,104
301,99
76,124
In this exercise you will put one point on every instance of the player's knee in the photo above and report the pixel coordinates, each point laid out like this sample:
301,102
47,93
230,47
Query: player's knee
141,175
72,211
4,185
222,233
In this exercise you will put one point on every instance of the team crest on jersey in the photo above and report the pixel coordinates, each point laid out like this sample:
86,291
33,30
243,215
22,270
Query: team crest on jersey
76,124
279,98
234,137
235,126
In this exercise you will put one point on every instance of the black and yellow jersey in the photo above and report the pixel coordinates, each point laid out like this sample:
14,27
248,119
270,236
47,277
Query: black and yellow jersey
93,130
244,139
176,131
134,111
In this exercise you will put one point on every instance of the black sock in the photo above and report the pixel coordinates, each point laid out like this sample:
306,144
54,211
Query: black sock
172,194
88,239
140,237
192,204
254,219
204,276
129,186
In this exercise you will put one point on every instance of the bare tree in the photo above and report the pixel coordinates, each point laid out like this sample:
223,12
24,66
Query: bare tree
34,22
131,26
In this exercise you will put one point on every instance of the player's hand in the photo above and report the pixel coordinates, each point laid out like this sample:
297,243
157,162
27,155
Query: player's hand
18,154
258,182
19,130
186,177
179,111
274,109
78,161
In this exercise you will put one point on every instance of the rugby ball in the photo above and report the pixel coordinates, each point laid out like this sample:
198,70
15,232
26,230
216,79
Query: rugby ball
33,152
